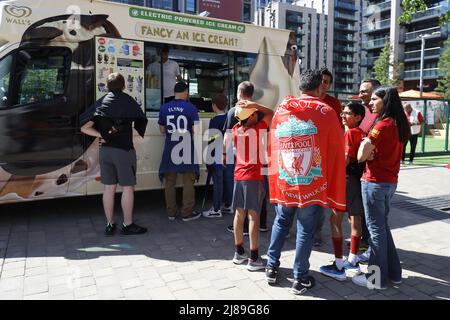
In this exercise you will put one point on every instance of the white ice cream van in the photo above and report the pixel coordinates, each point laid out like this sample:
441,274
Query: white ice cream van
56,55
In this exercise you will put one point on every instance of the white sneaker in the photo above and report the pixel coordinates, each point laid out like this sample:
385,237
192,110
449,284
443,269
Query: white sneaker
364,257
255,265
361,280
228,210
240,258
211,213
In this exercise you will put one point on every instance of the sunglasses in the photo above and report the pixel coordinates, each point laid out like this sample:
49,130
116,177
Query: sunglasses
347,113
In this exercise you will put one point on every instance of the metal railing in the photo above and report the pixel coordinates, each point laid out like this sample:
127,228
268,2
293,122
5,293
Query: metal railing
427,53
345,80
379,7
343,58
341,37
437,11
344,70
415,74
369,61
344,48
296,19
345,5
376,43
414,35
342,26
345,16
378,25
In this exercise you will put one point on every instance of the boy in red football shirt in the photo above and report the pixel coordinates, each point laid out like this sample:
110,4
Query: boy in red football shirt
249,191
352,116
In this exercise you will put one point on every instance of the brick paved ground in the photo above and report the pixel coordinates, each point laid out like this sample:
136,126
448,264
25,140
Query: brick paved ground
56,250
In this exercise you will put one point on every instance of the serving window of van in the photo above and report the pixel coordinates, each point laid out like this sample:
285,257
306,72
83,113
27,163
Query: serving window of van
205,71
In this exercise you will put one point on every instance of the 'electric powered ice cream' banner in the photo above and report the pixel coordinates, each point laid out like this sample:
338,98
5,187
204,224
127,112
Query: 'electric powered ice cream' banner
125,57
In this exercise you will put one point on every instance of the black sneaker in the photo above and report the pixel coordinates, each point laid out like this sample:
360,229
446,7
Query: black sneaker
110,229
193,216
300,286
271,275
133,229
230,229
263,228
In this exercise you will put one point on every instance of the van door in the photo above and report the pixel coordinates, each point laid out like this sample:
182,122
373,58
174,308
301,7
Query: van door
37,117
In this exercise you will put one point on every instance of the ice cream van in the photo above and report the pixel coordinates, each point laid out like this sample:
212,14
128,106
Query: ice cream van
54,60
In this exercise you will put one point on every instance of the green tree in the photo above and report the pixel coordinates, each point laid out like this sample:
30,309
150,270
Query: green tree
444,68
412,6
382,65
409,8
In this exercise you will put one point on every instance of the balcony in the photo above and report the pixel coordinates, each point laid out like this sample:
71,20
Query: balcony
377,26
344,49
295,19
344,5
431,53
344,70
345,80
339,58
374,44
346,27
346,16
427,74
344,89
340,37
434,12
379,7
414,35
368,62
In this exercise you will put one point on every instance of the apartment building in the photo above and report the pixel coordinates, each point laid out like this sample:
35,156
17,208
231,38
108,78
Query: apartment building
380,24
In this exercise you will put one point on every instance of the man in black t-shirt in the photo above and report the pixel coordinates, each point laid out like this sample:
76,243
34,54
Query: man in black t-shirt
112,121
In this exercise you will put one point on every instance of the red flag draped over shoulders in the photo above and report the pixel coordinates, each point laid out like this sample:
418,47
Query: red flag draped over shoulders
306,155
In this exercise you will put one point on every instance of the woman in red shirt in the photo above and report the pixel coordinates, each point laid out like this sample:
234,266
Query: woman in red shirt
382,148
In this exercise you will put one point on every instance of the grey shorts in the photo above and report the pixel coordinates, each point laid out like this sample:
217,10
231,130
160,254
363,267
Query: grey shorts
355,205
118,166
249,195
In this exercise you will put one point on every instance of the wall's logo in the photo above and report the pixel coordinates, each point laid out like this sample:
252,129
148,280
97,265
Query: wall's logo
18,12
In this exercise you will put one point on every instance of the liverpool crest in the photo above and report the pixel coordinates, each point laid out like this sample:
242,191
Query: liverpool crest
299,157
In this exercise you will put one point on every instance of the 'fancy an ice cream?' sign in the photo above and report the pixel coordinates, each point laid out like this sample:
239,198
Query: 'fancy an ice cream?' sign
208,39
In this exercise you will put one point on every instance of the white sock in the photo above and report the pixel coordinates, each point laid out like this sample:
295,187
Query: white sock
352,258
339,263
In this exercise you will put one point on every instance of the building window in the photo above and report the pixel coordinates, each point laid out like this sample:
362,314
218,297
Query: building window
191,6
133,2
247,14
165,4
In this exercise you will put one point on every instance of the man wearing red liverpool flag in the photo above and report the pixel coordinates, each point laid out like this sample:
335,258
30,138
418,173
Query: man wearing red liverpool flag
307,173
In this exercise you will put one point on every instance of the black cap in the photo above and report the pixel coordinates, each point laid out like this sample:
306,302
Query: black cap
180,87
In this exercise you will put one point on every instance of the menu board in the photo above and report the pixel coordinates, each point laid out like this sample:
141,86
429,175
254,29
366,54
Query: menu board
125,57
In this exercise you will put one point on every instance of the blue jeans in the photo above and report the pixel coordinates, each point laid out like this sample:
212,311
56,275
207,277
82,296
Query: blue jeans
228,184
307,219
217,177
377,200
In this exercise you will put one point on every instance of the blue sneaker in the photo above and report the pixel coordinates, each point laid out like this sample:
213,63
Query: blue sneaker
353,268
333,272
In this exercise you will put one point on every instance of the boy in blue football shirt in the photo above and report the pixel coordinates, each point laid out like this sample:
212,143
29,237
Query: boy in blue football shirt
179,120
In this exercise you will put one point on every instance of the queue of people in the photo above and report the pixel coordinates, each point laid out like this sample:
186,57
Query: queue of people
318,155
